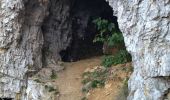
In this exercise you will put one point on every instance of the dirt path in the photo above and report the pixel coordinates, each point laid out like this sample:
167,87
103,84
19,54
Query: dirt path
69,80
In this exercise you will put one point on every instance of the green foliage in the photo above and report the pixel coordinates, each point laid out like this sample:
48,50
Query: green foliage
115,39
121,57
97,83
53,75
96,79
51,89
107,33
110,36
107,61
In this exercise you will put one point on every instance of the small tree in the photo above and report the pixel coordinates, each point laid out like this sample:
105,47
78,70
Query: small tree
107,33
111,39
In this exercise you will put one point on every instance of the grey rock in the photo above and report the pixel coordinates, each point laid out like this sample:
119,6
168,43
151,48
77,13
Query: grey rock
38,91
21,42
87,87
146,29
32,34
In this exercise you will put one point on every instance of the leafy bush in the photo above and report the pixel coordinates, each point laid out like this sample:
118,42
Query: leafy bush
110,36
107,34
115,39
107,61
96,83
121,57
94,79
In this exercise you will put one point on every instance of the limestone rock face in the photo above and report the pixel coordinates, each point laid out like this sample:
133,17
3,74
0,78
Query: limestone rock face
28,30
57,30
32,34
39,91
21,42
146,28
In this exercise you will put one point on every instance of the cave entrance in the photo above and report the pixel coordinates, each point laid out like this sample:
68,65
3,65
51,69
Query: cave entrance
83,12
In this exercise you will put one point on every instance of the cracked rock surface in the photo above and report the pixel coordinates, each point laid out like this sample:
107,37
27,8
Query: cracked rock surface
146,28
21,41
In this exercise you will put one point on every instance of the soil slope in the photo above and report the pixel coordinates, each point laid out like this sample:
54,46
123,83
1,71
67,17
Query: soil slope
70,84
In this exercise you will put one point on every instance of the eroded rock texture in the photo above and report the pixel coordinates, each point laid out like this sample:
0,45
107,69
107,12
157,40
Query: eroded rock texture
34,32
21,42
146,28
32,35
56,30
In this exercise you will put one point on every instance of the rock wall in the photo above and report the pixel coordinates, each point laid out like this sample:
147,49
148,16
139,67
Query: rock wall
146,28
24,41
32,34
57,30
21,41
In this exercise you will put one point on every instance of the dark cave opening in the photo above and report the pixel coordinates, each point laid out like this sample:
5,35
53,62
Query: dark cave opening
68,29
83,12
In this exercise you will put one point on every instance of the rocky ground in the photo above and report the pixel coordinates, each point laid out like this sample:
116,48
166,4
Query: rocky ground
70,81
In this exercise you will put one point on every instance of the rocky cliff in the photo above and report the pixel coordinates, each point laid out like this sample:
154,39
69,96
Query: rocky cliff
146,28
34,32
21,41
32,35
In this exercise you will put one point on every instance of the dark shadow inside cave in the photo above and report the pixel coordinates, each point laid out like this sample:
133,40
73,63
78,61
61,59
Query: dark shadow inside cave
68,29
83,12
